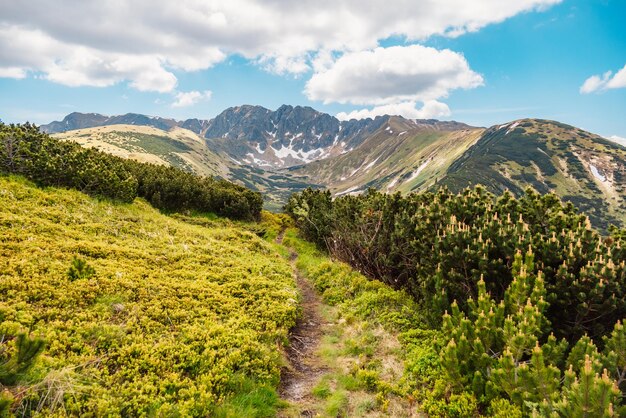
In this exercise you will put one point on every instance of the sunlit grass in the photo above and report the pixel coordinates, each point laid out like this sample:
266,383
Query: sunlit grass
171,314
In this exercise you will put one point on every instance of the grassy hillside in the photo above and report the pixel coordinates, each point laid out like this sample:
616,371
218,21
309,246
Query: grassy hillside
400,156
177,318
578,166
178,147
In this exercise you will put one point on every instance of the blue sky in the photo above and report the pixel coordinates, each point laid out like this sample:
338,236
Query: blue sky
529,58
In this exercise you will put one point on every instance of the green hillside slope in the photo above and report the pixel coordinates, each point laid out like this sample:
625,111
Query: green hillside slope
175,319
179,147
406,156
578,166
400,156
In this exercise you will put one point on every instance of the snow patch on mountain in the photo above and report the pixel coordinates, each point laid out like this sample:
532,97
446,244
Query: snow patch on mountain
351,190
542,151
370,165
596,173
250,158
305,156
419,169
513,126
357,169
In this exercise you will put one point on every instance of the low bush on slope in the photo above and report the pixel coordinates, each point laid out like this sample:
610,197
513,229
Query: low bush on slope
142,314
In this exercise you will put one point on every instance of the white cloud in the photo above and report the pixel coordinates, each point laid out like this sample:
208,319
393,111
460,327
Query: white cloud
432,109
86,68
393,80
190,98
618,139
595,82
604,82
72,65
100,43
322,61
392,75
619,80
12,72
282,65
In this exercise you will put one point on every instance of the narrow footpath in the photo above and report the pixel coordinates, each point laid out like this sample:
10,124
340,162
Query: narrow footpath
304,368
339,365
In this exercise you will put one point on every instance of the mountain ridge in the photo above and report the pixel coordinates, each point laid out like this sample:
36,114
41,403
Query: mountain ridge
285,150
257,136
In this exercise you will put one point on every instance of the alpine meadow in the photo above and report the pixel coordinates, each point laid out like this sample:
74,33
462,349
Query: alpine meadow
434,227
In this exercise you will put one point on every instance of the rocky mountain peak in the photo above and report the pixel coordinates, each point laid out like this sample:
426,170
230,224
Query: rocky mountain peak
290,135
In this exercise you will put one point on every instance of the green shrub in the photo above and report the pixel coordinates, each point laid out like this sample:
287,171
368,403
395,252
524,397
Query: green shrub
80,269
500,350
438,246
18,354
502,408
462,405
534,296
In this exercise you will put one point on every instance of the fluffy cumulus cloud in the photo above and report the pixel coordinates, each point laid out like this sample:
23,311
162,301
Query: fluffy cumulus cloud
23,50
394,79
606,81
144,42
432,109
190,98
391,75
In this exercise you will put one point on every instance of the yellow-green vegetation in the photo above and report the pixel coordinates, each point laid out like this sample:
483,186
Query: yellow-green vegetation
142,314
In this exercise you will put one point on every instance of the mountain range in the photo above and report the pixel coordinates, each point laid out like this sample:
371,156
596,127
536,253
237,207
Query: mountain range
286,150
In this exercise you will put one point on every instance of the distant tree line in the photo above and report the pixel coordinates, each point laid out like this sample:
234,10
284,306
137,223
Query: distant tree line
530,296
26,151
